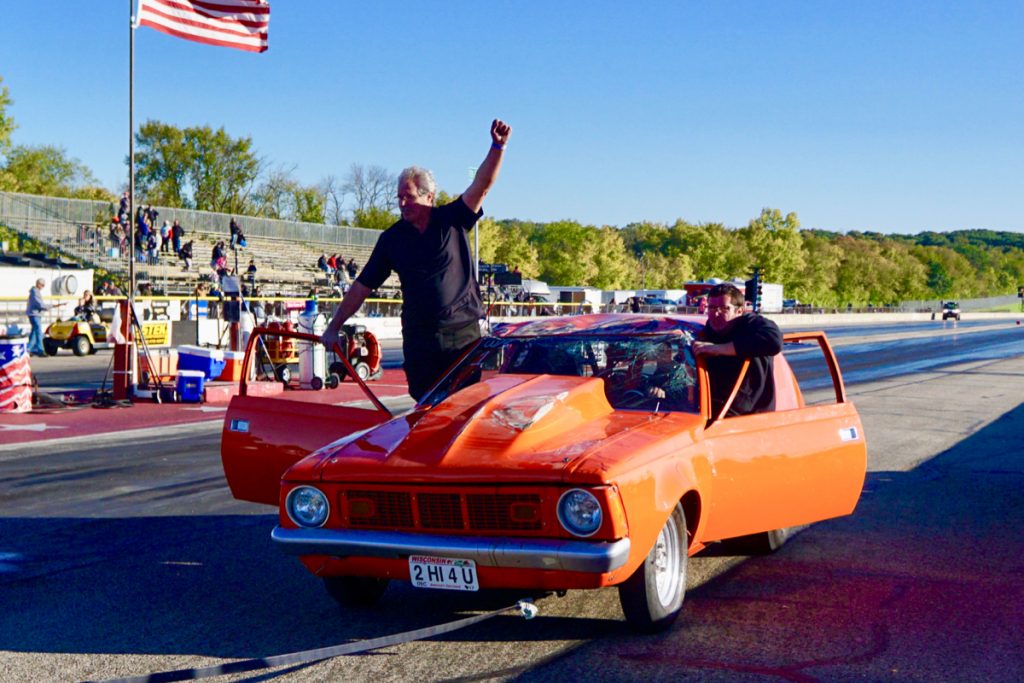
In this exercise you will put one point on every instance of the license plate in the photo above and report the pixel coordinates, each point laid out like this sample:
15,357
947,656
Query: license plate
443,572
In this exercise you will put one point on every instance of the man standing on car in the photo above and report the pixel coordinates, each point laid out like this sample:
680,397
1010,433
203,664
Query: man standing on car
730,337
429,250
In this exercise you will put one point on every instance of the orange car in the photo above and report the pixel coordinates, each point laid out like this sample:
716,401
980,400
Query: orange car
544,460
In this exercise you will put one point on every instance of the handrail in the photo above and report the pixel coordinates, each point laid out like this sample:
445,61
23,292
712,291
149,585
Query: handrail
258,334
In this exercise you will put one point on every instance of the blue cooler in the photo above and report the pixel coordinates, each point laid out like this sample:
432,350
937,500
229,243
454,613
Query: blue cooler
208,361
190,385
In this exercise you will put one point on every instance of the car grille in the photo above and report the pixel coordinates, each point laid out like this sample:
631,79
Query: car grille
449,511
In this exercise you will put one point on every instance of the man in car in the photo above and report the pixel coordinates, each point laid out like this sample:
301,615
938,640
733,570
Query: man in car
671,385
429,250
730,337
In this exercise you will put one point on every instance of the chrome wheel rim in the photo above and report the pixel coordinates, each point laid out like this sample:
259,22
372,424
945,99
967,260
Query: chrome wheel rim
667,570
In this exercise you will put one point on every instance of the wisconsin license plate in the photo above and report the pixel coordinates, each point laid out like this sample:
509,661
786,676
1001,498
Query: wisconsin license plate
443,572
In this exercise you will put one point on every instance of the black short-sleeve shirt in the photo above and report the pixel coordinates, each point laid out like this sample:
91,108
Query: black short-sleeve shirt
435,268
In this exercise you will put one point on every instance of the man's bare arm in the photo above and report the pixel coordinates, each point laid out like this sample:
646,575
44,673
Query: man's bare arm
485,176
704,348
353,299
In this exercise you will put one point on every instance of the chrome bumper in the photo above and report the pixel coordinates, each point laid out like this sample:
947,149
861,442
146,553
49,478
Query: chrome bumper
594,557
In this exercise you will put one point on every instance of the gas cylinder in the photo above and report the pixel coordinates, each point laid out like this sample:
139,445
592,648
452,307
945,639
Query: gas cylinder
312,355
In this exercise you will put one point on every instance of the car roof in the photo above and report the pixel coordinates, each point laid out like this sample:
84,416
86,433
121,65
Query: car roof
601,324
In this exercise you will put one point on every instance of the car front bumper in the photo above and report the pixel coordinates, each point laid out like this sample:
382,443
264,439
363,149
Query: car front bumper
596,557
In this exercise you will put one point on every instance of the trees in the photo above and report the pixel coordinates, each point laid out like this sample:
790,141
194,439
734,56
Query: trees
774,243
48,170
371,187
7,124
195,167
281,196
565,250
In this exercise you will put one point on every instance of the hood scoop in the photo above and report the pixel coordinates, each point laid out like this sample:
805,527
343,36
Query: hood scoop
535,421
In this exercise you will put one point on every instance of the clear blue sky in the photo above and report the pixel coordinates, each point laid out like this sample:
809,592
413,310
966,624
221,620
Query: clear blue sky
888,116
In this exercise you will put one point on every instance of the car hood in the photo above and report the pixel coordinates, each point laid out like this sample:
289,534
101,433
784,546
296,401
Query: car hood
508,428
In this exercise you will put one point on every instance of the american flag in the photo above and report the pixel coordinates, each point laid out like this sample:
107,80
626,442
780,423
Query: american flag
240,24
15,376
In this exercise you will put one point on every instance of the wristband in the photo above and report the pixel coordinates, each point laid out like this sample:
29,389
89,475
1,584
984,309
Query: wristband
498,146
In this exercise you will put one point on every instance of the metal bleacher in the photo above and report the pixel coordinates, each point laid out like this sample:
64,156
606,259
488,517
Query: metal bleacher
285,252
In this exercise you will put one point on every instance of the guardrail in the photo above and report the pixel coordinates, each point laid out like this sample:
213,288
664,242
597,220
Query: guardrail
15,206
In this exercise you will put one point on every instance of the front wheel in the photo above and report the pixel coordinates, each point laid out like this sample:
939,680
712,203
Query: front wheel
51,346
652,597
355,591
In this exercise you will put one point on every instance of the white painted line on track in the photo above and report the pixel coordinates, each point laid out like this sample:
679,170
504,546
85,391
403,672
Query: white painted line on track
31,448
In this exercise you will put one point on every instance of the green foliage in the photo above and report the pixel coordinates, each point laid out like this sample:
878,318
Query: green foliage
162,161
46,170
774,243
374,218
7,124
195,167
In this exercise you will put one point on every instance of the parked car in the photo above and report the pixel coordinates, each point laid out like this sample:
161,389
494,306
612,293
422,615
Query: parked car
654,304
542,461
951,309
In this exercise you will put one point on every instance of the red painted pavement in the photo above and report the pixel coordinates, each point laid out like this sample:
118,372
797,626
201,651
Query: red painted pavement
59,423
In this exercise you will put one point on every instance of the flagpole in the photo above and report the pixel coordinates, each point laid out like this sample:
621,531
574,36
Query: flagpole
131,155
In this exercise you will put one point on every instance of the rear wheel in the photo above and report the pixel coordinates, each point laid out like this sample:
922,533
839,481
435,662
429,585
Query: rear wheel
764,543
652,597
355,591
51,347
80,345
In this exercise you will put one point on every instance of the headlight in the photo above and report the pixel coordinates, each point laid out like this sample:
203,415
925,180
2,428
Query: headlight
307,506
579,512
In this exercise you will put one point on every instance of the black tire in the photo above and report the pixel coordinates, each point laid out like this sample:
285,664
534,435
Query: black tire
764,543
316,384
338,368
652,597
333,380
283,374
355,591
80,345
51,346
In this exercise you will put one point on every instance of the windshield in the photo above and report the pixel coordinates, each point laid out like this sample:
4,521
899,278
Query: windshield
649,372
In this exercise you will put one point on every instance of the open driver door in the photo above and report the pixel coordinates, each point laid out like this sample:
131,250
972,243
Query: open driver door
265,435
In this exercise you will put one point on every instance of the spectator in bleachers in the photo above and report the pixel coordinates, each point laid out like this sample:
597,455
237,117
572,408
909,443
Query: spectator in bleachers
250,272
185,254
108,288
123,204
218,256
332,262
321,263
140,245
165,237
177,232
153,249
240,241
112,235
233,227
352,269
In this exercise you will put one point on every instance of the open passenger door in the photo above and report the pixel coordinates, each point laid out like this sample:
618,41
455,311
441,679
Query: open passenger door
266,433
799,463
